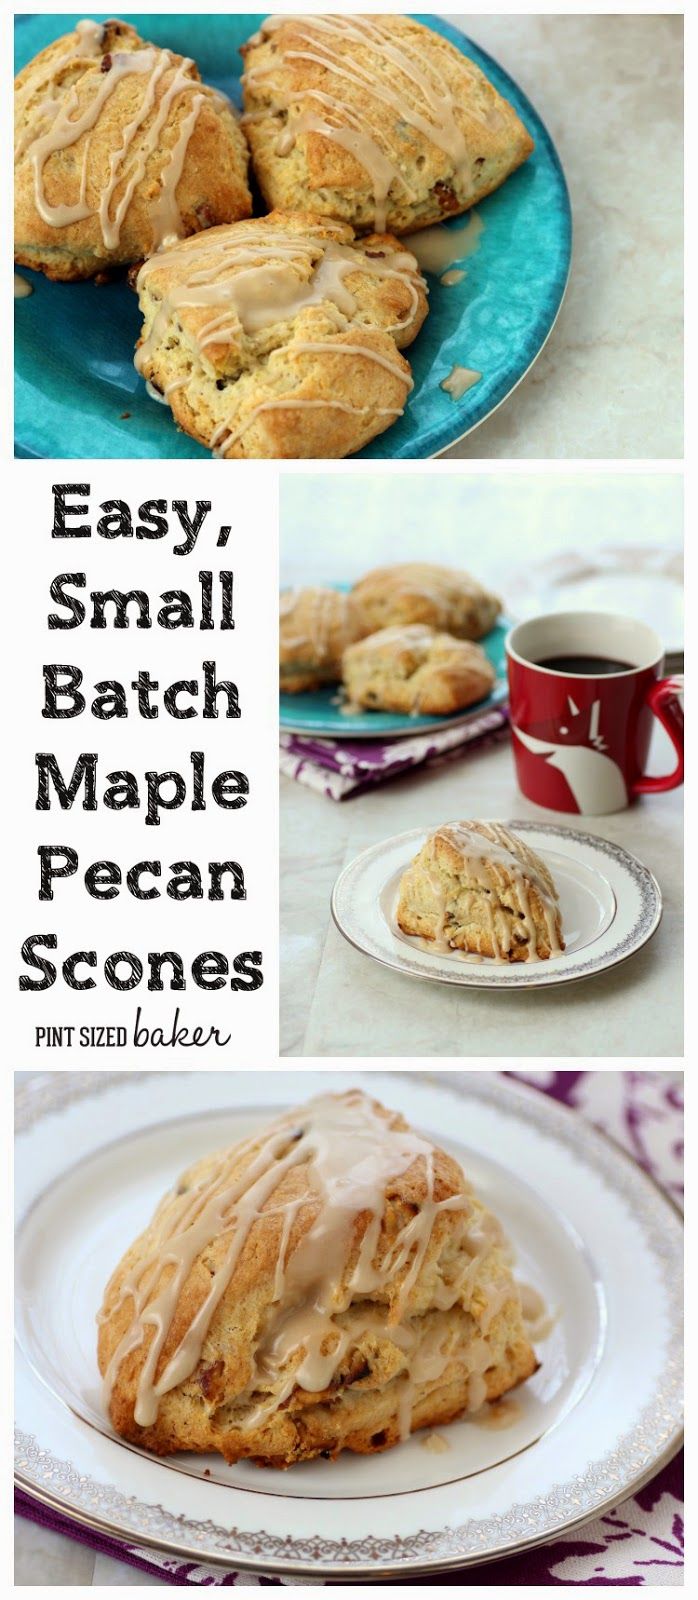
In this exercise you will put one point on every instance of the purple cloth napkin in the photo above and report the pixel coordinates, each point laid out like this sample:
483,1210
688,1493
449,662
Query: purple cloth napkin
637,1544
341,768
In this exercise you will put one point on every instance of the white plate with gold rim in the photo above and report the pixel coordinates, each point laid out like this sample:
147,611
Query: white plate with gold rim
609,902
591,1233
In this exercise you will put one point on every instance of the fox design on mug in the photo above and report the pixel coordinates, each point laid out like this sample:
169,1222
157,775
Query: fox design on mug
575,748
584,690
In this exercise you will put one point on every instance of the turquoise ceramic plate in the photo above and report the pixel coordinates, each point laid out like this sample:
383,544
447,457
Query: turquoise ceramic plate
74,344
319,715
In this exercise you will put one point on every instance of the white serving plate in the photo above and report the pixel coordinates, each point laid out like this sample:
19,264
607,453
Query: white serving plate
591,1232
610,905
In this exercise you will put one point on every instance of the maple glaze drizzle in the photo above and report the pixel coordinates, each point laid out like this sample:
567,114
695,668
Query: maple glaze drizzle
439,247
487,852
224,436
459,380
58,124
444,589
451,658
323,612
421,99
351,1151
255,277
539,1318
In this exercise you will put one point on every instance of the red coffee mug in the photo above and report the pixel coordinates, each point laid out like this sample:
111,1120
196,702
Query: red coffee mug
581,739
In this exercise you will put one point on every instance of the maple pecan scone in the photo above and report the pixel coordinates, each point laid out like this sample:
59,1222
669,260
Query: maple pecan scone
315,627
330,1283
281,337
479,888
415,670
375,120
118,147
418,591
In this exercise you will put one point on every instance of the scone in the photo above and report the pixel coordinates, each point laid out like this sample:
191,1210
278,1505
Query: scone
375,120
118,146
281,337
415,670
417,591
329,1284
478,888
315,628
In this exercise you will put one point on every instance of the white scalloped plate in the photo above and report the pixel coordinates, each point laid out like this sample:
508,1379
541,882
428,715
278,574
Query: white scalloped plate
94,1152
609,902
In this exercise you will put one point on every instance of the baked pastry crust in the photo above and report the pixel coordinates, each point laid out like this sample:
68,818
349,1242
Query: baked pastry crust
416,671
377,121
330,1284
418,591
153,153
315,627
281,337
478,888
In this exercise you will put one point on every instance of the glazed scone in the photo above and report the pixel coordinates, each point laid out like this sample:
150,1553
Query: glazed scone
118,147
418,591
478,888
315,627
414,670
331,1283
377,121
281,337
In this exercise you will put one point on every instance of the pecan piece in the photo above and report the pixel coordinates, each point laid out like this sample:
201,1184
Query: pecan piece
204,214
208,1379
446,197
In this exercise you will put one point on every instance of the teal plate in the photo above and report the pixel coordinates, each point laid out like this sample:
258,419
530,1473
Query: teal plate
74,373
319,716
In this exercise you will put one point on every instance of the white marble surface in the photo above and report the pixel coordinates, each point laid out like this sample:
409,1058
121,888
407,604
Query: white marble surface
620,539
44,1559
608,383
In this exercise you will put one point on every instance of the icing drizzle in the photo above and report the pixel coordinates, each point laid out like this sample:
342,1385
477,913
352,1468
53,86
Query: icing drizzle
365,61
319,622
253,277
58,123
459,380
458,662
497,861
351,1150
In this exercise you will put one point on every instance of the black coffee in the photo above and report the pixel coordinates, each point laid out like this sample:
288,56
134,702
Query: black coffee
588,666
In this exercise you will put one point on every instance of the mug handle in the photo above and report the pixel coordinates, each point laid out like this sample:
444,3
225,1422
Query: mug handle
663,700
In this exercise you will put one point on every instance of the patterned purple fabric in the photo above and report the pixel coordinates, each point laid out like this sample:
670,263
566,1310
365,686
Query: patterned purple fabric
341,769
638,1543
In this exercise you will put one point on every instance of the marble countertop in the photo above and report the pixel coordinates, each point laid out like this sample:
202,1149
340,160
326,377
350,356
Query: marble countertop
608,383
44,1558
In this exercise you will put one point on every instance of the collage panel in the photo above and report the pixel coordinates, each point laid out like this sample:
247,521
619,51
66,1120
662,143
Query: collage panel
490,1254
481,755
375,236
